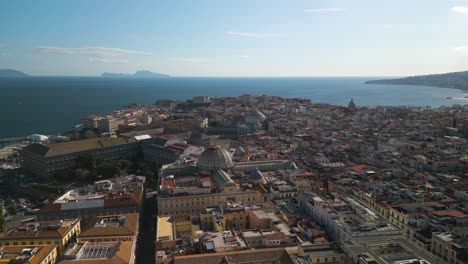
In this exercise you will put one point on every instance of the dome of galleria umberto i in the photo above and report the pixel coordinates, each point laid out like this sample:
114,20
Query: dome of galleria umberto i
214,158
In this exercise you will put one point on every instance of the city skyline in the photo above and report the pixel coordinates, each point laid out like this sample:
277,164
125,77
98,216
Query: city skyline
235,39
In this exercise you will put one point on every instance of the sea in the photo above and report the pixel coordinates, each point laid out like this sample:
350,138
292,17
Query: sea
52,105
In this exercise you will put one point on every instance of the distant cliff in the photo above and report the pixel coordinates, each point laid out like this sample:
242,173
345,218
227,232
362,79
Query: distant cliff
12,73
138,74
456,80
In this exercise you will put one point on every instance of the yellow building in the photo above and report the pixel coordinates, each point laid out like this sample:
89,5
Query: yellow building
235,219
60,233
207,221
380,207
172,227
321,253
183,225
165,229
446,246
46,254
228,216
398,217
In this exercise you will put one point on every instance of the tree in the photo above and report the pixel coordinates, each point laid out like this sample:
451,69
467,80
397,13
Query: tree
11,210
81,174
2,221
124,164
87,161
108,169
89,134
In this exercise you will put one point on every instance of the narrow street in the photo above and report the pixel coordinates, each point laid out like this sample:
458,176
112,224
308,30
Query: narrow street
145,249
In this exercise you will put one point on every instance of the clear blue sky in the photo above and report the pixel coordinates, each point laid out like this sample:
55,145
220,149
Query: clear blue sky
235,37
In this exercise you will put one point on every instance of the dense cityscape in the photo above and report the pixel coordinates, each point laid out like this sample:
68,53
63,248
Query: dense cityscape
248,179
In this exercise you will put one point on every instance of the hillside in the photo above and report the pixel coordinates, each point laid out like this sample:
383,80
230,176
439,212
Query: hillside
456,80
138,74
12,73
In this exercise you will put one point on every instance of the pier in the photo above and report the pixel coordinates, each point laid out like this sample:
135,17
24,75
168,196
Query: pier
4,142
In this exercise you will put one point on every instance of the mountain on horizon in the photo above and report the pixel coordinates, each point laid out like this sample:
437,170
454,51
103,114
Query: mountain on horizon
455,80
12,73
138,74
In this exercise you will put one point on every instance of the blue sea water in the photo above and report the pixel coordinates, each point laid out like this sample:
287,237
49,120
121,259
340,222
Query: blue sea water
50,105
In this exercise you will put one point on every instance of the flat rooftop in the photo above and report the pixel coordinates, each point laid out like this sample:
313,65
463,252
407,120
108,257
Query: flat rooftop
165,230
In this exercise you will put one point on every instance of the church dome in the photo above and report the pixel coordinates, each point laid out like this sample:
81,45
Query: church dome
214,158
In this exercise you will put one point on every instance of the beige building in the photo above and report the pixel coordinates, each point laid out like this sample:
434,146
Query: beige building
450,247
60,233
217,163
197,203
46,254
322,253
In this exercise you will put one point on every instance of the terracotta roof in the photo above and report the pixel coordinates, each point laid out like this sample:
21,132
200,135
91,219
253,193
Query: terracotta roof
451,213
121,256
127,228
319,239
59,232
273,255
38,257
360,168
167,183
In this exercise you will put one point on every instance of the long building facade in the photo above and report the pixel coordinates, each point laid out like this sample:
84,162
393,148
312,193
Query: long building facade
47,160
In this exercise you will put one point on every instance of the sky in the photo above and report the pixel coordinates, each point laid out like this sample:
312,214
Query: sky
235,37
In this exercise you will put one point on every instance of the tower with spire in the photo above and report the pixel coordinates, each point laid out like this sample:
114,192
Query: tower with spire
351,104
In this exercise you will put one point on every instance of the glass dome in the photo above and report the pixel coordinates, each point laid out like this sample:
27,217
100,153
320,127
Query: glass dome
214,158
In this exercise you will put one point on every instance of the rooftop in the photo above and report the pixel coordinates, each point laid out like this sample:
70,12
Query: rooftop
165,229
273,255
38,230
107,193
24,254
64,148
111,225
98,253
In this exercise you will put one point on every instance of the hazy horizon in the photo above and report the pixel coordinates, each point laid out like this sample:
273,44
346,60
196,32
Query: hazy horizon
303,38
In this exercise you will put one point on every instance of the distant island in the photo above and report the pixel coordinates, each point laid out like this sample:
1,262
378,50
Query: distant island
138,74
8,73
455,80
